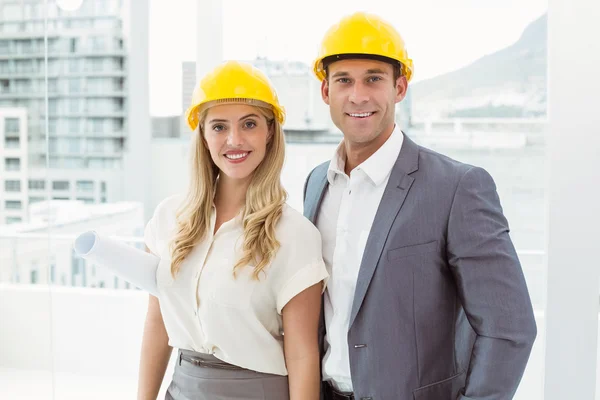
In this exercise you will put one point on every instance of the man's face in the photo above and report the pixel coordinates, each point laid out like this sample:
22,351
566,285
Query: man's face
362,95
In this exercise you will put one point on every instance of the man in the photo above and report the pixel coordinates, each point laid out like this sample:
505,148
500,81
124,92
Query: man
427,298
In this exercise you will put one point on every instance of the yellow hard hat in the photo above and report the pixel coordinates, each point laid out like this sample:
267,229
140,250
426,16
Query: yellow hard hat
363,34
233,82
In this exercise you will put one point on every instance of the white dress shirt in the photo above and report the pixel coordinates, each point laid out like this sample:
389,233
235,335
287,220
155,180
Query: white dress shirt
344,220
238,320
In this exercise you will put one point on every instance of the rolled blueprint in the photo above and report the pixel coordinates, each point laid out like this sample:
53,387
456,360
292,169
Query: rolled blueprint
133,265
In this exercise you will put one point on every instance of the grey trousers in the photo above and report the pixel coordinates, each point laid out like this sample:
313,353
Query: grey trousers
200,376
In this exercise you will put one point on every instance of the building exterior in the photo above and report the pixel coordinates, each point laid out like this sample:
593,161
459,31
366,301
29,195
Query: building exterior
14,197
97,114
41,251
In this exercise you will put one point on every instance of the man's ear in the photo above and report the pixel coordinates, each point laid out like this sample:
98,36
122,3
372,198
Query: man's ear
325,90
401,88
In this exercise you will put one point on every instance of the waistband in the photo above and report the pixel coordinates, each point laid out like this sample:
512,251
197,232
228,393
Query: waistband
205,360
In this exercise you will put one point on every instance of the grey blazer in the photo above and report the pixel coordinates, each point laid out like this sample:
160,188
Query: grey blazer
441,309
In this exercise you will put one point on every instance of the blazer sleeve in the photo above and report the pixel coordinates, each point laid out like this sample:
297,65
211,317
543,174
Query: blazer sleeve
492,289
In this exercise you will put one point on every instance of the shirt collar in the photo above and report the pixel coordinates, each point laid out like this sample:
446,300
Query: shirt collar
377,167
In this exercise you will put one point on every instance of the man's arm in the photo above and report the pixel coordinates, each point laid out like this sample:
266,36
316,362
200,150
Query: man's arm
492,288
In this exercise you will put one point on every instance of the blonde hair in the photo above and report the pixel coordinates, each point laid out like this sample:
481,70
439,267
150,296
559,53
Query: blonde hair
265,199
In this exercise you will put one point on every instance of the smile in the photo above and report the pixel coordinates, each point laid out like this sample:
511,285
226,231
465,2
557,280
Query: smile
360,115
237,157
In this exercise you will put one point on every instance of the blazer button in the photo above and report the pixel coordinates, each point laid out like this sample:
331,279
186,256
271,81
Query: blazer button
359,346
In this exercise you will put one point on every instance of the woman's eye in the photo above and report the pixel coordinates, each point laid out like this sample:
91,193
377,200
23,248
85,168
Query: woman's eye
249,124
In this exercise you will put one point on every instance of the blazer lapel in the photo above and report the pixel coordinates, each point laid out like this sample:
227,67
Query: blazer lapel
393,198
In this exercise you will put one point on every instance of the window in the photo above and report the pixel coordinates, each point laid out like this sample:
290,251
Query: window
4,46
13,204
34,276
36,200
52,124
74,65
74,85
74,45
98,43
60,185
11,125
12,164
53,271
74,145
52,85
24,66
12,186
37,184
74,125
52,106
12,143
74,105
85,186
97,125
13,220
97,64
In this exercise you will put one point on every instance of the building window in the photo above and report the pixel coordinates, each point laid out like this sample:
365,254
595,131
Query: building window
74,65
13,204
97,125
4,84
34,276
12,186
53,271
52,107
37,185
4,46
74,85
74,125
11,125
85,186
35,200
74,106
12,143
52,126
86,200
13,220
12,164
60,185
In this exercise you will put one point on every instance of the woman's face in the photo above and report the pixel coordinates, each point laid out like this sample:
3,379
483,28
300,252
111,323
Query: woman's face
237,137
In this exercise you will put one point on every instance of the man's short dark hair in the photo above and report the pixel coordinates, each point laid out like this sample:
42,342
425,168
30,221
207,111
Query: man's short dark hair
396,65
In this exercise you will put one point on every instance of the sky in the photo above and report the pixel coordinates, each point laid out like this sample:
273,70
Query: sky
441,35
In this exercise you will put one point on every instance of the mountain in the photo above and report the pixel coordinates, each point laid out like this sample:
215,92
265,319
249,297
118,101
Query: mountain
509,83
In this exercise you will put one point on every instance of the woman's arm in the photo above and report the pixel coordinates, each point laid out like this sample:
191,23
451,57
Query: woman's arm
301,344
155,353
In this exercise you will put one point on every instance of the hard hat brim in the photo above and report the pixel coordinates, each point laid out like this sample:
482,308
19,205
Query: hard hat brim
192,114
321,64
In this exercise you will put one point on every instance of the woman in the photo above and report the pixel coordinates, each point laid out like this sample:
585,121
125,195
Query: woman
238,265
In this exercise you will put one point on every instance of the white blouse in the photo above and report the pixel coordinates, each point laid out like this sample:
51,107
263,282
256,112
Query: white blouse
205,309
